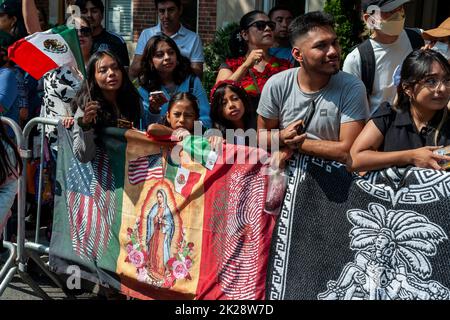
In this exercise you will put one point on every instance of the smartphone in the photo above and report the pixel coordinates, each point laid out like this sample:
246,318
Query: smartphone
307,119
444,152
160,95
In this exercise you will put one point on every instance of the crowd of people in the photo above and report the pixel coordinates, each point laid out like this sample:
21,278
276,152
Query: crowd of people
387,106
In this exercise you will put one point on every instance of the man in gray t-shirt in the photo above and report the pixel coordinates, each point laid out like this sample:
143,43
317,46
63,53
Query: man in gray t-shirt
340,98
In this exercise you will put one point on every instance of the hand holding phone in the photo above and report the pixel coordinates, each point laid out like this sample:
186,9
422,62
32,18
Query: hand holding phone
307,119
443,152
156,100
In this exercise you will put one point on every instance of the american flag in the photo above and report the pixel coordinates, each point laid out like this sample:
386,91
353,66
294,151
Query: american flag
92,207
145,168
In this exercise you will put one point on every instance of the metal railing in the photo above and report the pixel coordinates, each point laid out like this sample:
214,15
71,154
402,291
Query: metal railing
15,251
22,250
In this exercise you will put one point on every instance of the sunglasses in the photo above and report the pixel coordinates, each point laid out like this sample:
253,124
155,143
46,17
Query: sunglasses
261,25
84,31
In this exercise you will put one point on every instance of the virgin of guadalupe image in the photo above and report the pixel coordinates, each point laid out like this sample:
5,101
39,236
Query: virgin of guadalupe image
160,231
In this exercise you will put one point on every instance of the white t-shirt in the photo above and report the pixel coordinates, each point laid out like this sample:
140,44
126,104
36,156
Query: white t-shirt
342,100
388,57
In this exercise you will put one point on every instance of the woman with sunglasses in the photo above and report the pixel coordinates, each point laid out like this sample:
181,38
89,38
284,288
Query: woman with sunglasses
409,132
251,64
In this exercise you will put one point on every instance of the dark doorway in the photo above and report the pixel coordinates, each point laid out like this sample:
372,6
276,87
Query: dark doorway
189,17
443,11
297,7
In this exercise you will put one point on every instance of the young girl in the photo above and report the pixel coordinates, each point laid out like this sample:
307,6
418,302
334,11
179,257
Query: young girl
10,169
230,108
182,112
164,69
416,125
107,98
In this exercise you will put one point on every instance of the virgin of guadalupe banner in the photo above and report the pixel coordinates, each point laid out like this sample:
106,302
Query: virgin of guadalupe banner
135,220
384,236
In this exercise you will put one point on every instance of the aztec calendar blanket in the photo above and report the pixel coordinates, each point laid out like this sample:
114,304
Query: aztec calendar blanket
133,221
384,236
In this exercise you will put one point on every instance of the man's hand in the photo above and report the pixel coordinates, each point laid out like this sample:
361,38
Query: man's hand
290,137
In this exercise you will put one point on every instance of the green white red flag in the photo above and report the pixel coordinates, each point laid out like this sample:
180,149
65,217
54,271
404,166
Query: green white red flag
44,51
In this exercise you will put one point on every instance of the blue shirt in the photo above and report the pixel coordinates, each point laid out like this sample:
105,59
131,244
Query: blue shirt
187,41
282,53
198,91
9,101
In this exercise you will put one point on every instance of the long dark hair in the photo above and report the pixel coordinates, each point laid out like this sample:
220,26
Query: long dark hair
217,106
238,46
416,67
7,166
183,96
128,98
149,78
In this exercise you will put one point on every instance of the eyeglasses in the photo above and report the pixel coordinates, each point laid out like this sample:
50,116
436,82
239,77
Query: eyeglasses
84,31
434,83
261,25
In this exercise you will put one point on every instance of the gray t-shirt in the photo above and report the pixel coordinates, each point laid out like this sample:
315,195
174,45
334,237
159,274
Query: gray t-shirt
342,100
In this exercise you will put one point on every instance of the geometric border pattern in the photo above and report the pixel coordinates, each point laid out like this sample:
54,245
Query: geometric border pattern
296,171
428,186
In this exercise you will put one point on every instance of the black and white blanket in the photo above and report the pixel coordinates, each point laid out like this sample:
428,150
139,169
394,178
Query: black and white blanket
342,237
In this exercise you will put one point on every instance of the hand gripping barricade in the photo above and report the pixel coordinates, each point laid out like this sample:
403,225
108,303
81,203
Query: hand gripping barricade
21,251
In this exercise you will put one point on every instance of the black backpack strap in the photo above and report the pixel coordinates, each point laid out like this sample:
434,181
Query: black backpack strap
415,38
191,84
367,65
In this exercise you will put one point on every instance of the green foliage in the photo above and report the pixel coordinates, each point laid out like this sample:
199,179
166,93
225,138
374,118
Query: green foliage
215,53
349,26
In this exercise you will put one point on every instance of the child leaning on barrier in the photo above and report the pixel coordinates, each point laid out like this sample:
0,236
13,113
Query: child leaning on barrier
230,109
10,169
183,111
107,98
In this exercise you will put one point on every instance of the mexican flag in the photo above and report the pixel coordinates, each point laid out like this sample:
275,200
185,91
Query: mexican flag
182,179
44,51
203,236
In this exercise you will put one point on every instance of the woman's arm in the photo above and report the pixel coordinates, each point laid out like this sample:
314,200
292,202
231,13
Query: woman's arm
158,130
365,157
83,140
30,16
226,74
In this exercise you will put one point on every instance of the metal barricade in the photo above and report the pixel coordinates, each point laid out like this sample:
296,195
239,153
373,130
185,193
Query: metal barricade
11,267
21,251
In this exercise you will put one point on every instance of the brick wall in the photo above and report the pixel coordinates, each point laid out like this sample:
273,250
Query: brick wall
207,19
144,16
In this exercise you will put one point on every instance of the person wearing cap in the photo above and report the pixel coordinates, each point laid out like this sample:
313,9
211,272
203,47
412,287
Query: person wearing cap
439,38
388,46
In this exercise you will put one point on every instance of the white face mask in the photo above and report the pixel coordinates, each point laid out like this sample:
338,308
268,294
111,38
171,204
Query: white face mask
393,26
442,48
